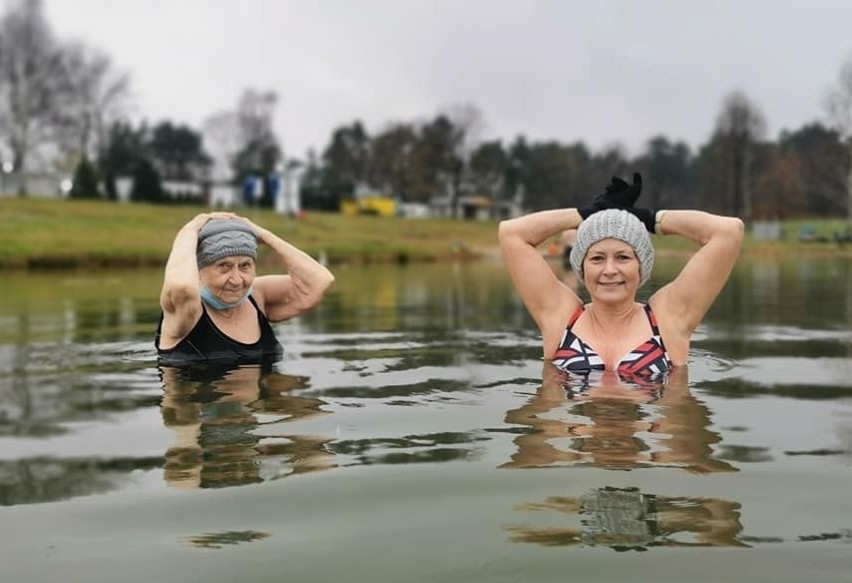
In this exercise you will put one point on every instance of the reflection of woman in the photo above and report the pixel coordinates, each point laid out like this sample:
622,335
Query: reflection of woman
617,425
213,413
627,519
613,256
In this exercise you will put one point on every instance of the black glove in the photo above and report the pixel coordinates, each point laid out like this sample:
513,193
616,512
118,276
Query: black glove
618,194
598,204
624,196
647,216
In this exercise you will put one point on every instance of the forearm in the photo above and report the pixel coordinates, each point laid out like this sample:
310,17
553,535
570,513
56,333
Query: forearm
535,228
698,226
309,276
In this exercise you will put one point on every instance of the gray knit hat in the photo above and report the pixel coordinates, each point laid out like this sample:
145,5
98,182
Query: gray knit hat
224,238
614,224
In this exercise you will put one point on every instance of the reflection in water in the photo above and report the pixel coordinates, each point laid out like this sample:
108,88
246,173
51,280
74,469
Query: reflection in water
216,417
217,540
627,519
615,424
49,479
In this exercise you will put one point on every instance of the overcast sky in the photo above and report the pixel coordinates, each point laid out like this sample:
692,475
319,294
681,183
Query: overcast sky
603,71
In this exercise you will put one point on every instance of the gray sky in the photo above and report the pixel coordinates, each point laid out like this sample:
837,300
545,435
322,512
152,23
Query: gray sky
605,72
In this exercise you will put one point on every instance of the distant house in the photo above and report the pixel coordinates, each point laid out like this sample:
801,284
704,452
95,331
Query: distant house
478,208
414,210
506,209
183,189
38,184
223,195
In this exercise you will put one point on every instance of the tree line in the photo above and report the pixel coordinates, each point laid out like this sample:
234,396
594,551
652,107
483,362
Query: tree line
65,105
738,171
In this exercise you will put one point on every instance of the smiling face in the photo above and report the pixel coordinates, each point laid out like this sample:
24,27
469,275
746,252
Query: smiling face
611,271
229,278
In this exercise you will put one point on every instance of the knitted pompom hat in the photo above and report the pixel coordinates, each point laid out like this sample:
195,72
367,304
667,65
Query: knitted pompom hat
220,238
614,224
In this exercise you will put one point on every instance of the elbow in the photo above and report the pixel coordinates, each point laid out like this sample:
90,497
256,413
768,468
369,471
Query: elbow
329,279
736,229
732,231
317,293
505,231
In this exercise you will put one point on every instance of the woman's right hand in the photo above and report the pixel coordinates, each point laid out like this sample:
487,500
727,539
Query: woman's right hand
617,195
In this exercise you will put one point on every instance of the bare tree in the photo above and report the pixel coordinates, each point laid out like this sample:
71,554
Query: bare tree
245,138
838,103
222,139
256,113
31,82
739,127
468,125
96,96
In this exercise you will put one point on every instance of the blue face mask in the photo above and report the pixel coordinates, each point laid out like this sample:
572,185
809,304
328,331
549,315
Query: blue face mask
208,298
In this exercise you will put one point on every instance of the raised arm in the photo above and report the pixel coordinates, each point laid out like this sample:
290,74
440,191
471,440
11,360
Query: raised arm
547,299
686,300
286,296
180,297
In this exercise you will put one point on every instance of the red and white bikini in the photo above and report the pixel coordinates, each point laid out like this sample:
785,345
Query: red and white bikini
648,360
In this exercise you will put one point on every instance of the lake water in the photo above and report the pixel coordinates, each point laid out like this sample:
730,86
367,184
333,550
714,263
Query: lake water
412,433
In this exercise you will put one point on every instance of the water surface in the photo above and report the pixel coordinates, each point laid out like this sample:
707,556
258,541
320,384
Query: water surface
412,432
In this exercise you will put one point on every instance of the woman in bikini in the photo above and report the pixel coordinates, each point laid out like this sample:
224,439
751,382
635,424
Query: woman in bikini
613,257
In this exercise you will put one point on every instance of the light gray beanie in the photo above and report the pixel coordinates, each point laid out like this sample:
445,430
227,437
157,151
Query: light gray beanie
224,238
614,224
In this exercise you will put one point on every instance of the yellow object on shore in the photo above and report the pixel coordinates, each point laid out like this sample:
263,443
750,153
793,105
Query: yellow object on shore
383,206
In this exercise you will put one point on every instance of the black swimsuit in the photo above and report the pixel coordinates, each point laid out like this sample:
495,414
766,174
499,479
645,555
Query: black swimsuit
207,344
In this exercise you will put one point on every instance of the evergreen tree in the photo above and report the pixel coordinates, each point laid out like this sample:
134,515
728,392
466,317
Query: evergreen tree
177,151
147,186
120,154
86,181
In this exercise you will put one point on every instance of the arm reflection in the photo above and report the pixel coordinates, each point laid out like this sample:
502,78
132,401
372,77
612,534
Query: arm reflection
615,424
220,439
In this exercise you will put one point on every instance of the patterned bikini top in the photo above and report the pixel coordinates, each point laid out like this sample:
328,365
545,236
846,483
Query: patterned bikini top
649,360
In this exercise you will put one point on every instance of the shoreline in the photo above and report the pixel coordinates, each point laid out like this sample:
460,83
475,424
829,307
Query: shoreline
42,235
100,261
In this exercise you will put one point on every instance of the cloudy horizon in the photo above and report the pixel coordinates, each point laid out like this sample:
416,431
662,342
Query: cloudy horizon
612,72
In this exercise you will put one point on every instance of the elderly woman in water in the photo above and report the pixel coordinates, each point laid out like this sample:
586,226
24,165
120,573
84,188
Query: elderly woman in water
613,257
215,307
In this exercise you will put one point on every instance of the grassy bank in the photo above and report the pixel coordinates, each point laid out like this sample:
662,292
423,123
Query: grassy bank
49,233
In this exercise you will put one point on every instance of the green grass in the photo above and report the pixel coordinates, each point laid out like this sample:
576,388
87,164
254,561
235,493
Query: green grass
63,233
44,233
